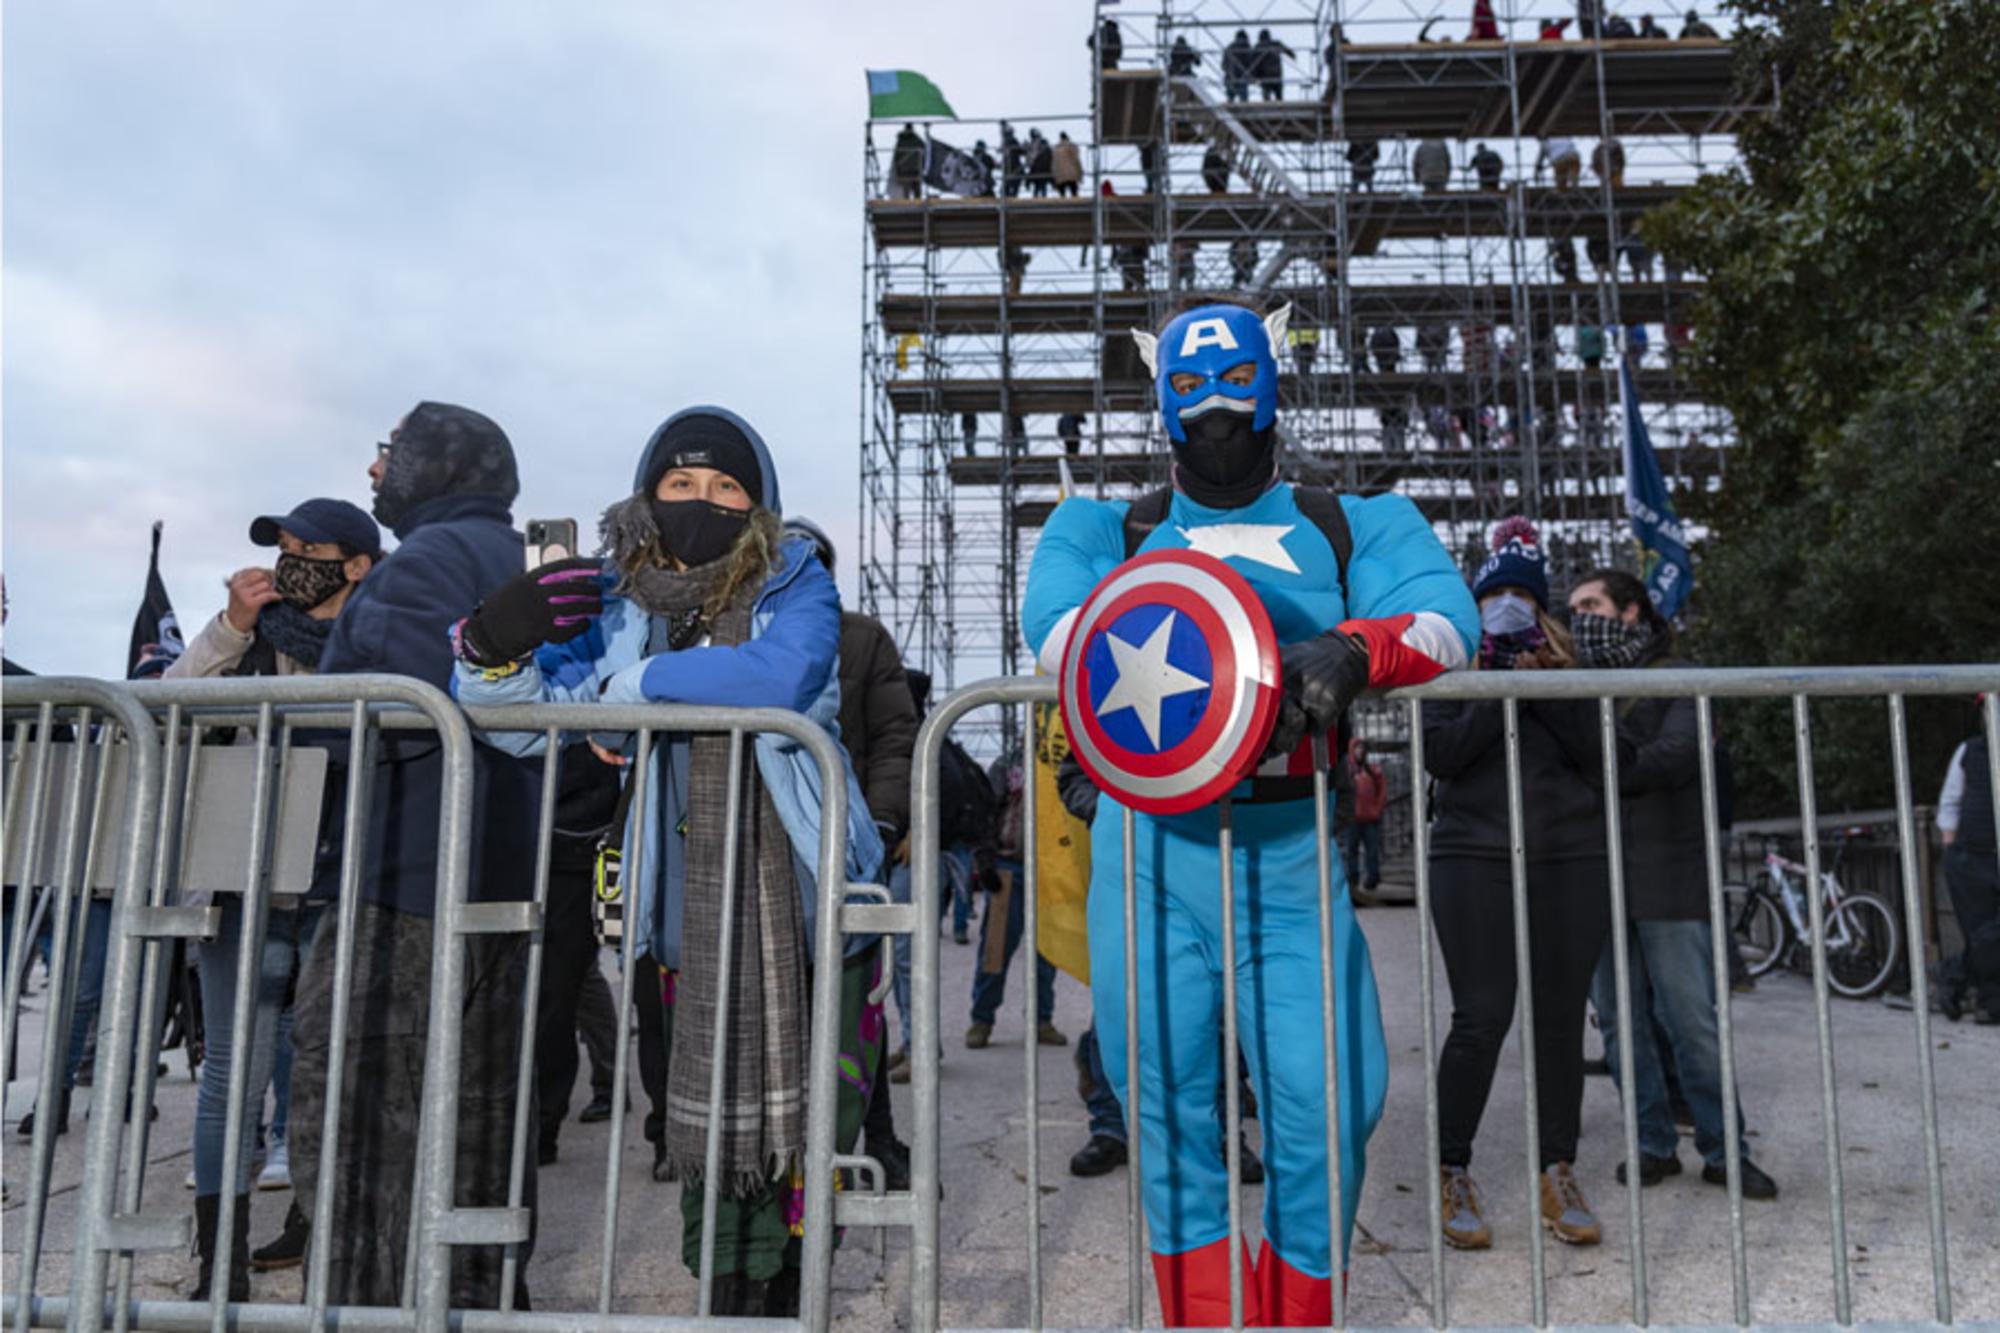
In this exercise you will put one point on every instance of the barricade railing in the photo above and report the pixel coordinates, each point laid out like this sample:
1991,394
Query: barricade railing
1509,692
100,721
162,835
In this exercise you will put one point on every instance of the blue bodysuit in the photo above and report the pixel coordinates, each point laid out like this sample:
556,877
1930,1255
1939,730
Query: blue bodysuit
1407,601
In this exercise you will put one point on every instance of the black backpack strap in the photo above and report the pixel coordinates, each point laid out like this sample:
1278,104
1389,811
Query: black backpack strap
1147,512
1323,507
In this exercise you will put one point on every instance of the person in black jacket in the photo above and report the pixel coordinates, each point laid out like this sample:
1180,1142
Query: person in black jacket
1615,624
1267,59
1013,161
586,806
1239,60
1472,890
1041,173
444,484
878,725
1108,43
906,165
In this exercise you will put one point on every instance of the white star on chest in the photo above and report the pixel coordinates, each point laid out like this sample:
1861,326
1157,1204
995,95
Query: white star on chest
1146,678
1261,542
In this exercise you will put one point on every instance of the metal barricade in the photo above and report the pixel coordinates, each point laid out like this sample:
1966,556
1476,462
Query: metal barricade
1510,692
101,719
158,842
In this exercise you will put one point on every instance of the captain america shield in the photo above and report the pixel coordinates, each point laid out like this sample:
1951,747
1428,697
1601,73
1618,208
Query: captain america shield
1169,682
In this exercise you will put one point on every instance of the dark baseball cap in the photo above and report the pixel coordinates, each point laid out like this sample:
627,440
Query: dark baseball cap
323,521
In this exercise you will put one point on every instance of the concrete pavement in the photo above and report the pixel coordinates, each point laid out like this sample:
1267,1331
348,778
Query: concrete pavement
1084,1221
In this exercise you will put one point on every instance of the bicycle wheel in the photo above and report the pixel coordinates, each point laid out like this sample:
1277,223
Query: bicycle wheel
1757,924
1862,965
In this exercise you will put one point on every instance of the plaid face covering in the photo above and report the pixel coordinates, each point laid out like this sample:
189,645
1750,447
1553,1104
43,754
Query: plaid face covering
1602,641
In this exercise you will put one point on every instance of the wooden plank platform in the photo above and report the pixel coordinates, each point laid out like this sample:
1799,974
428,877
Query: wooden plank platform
1373,217
1039,312
1044,395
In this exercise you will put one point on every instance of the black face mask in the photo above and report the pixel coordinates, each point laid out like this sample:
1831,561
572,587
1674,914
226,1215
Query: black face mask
696,532
1224,464
304,583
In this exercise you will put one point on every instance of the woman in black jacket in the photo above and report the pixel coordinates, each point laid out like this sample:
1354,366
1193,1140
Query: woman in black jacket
1472,891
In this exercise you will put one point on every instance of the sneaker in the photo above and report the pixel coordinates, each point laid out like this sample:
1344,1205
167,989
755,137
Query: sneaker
1756,1185
1102,1155
189,1182
960,937
597,1111
977,1036
1464,1227
663,1170
277,1172
1565,1212
1048,1035
900,1059
1653,1170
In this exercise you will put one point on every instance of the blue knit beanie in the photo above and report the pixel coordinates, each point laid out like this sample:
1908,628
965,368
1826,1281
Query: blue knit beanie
1517,562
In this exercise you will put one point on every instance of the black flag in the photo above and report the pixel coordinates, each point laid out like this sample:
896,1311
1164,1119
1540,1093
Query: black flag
156,631
954,171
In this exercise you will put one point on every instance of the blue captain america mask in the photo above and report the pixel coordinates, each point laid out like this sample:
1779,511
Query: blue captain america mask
1209,341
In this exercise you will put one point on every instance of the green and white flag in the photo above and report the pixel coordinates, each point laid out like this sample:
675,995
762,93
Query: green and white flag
900,94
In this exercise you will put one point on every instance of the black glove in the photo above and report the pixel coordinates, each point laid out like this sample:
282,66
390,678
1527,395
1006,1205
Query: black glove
1288,729
1319,678
1078,792
551,604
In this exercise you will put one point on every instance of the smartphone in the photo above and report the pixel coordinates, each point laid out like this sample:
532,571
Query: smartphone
550,540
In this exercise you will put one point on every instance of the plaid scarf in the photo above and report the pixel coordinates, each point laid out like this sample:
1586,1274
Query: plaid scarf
762,1112
1602,641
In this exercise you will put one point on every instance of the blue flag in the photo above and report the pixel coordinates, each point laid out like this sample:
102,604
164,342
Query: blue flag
1669,572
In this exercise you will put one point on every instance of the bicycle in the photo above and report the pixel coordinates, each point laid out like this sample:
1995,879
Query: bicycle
1772,924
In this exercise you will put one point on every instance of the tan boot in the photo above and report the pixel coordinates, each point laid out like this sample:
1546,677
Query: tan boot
1565,1212
1464,1227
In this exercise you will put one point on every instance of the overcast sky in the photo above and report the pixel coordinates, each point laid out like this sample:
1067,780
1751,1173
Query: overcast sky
242,239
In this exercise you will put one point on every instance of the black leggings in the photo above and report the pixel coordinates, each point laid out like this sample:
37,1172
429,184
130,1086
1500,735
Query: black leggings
1569,916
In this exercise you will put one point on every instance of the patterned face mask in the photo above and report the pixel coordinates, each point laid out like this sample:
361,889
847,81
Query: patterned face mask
304,582
1604,641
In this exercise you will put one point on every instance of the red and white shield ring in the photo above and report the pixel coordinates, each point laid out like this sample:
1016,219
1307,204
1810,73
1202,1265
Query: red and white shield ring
1169,682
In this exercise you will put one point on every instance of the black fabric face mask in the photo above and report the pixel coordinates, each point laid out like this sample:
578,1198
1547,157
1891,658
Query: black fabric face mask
303,583
696,532
1223,463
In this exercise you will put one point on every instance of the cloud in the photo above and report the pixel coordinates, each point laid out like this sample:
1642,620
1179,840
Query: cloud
240,240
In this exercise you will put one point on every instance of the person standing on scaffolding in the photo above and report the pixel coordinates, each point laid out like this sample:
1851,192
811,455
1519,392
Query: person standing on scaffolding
1362,596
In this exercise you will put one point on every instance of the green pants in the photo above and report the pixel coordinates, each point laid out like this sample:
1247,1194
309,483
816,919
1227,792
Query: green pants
753,1233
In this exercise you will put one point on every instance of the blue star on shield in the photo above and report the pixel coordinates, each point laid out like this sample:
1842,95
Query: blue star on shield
1150,674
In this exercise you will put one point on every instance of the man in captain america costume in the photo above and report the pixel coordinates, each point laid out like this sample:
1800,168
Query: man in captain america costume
1362,595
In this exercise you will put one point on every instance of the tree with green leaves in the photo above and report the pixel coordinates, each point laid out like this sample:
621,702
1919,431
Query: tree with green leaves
1848,326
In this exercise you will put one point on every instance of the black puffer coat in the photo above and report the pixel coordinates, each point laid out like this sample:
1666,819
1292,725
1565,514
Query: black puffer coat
878,718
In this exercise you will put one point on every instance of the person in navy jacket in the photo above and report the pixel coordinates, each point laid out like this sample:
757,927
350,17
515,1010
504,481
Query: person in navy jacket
444,483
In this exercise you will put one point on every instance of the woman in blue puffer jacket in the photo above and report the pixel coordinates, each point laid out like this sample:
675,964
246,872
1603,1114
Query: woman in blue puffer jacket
700,600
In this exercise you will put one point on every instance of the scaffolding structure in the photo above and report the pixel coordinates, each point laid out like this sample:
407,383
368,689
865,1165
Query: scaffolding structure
1458,341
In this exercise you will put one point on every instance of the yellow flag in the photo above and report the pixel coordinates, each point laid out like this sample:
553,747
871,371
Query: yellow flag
1062,856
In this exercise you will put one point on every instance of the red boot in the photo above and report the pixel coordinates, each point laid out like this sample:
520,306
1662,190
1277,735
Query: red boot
1194,1287
1289,1298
